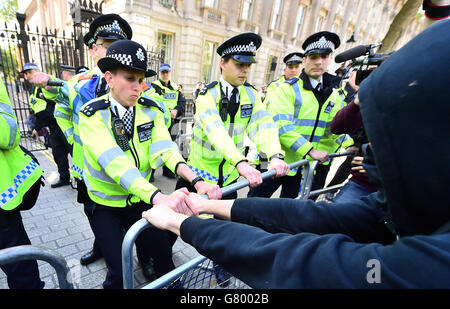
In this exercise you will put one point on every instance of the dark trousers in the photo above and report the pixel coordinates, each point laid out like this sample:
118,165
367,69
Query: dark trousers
109,224
290,187
83,198
60,150
320,176
22,274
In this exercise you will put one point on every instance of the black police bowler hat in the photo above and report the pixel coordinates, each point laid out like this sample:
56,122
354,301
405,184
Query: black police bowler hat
88,39
293,58
125,54
110,26
323,42
242,47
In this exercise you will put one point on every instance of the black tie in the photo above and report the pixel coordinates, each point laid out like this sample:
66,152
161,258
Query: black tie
234,105
128,122
319,87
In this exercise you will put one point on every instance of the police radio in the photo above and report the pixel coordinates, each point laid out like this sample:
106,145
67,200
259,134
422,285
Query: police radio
223,105
118,128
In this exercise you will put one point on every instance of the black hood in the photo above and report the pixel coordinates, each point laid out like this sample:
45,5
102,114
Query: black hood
405,105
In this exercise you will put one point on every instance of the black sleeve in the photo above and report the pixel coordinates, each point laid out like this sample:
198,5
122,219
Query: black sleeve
361,219
181,104
45,118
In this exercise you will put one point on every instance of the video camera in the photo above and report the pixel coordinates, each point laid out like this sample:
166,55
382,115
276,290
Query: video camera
363,66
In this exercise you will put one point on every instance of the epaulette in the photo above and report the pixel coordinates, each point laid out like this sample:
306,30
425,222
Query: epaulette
90,108
158,89
149,103
85,76
292,80
249,85
205,89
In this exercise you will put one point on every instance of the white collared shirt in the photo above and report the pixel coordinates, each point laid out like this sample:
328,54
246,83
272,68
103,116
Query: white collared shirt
120,108
314,82
227,88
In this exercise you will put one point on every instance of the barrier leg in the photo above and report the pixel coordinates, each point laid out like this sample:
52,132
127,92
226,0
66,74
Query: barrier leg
30,252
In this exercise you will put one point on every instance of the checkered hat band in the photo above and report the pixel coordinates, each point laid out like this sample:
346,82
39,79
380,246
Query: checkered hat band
249,48
110,29
320,45
122,58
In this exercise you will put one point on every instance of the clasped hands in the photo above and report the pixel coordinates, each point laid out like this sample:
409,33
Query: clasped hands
169,211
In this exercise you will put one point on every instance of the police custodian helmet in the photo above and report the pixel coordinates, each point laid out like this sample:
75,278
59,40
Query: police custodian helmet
323,42
111,27
241,47
125,54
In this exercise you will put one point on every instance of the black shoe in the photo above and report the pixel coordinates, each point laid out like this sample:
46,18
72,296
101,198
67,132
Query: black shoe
60,183
90,257
148,271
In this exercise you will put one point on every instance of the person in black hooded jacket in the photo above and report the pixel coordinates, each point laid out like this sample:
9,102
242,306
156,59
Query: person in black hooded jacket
398,237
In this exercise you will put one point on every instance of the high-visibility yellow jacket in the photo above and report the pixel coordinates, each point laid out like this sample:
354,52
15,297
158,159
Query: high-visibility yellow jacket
272,87
115,177
217,146
302,126
169,95
19,172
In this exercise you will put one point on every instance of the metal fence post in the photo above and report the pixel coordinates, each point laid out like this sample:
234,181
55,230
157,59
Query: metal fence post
30,252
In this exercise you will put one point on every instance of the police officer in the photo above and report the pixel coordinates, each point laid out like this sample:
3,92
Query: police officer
124,138
67,71
42,103
292,69
19,189
103,31
225,111
173,99
303,108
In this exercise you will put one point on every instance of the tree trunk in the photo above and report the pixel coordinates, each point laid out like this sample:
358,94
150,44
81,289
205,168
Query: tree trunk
400,24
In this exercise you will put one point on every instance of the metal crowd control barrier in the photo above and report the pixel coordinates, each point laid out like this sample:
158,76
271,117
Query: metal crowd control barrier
142,224
181,138
306,192
30,252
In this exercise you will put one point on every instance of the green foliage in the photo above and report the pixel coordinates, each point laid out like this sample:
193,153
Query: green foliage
8,9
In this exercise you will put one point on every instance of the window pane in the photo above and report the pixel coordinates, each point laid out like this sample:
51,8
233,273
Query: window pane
165,43
208,61
247,9
275,23
270,70
318,24
298,23
212,3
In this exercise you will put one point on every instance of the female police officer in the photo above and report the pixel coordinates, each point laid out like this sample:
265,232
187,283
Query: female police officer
125,138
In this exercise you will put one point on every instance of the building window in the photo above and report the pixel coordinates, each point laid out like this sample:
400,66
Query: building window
318,24
271,68
276,15
208,61
165,43
299,21
212,4
247,9
335,27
